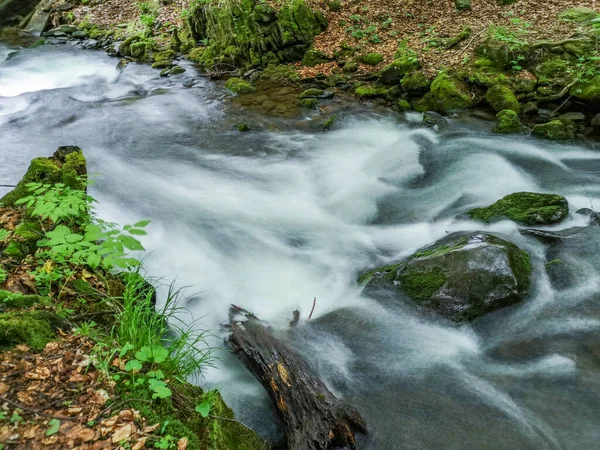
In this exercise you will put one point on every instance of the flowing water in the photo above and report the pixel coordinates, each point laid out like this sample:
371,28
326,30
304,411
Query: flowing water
272,218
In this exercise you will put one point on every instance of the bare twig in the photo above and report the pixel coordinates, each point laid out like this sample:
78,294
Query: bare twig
313,308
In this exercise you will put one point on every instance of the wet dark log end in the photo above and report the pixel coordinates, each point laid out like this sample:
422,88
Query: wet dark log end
313,418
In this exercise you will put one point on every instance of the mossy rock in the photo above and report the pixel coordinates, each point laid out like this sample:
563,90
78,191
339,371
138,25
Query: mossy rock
239,86
166,55
579,14
34,328
17,301
67,165
138,50
312,93
309,103
403,105
463,5
461,276
501,98
497,52
243,127
588,91
447,93
508,123
394,72
525,208
260,34
313,57
367,91
279,73
415,83
371,59
350,66
554,130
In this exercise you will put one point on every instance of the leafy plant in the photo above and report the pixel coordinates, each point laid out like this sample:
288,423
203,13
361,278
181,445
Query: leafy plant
53,428
3,275
4,234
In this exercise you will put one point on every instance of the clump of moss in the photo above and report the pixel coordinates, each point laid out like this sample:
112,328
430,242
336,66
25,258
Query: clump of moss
166,55
280,72
13,300
35,328
388,273
309,103
313,57
312,93
243,127
588,91
554,130
501,98
422,284
403,105
350,66
329,122
371,59
520,264
239,86
447,93
508,123
415,83
526,208
371,91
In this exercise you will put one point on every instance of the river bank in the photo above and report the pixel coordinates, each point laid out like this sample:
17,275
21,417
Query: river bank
531,68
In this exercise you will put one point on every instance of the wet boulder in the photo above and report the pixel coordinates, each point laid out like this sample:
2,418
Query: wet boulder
461,276
525,208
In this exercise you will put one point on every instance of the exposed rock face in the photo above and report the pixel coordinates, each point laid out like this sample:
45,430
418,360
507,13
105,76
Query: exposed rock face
250,33
461,276
525,208
11,9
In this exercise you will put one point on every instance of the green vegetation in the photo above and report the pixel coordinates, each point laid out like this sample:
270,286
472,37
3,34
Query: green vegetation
312,93
525,208
508,123
422,284
239,86
501,98
371,59
447,93
554,130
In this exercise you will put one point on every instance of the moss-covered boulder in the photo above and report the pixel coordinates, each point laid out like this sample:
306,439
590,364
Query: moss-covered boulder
371,59
554,130
367,91
461,276
33,328
525,208
67,165
251,33
447,93
508,122
579,14
588,91
313,58
501,97
415,83
312,93
239,86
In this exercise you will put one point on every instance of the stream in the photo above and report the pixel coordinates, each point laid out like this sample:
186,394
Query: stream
272,218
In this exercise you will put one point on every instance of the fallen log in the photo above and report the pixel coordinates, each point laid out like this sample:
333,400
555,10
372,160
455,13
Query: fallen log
313,418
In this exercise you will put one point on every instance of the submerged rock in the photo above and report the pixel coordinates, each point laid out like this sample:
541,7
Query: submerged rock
525,208
239,86
461,276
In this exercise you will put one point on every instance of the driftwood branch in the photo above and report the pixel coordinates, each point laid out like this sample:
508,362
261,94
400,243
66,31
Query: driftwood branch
313,418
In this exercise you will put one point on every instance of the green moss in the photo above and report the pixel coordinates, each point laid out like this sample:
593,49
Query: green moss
388,273
243,127
367,91
334,5
554,130
556,69
579,14
139,50
447,93
508,123
166,55
73,169
239,86
16,250
526,208
371,59
403,105
416,82
312,93
29,231
502,98
313,57
588,91
422,284
553,262
329,122
309,103
462,5
520,264
13,300
350,66
280,72
40,170
35,328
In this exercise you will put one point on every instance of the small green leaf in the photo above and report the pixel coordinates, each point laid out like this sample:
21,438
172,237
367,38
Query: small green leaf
203,408
125,349
133,365
53,428
141,224
161,392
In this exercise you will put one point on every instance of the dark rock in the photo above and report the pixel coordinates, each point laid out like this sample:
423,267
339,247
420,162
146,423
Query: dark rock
462,276
572,116
80,34
435,120
90,44
544,236
593,215
65,7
